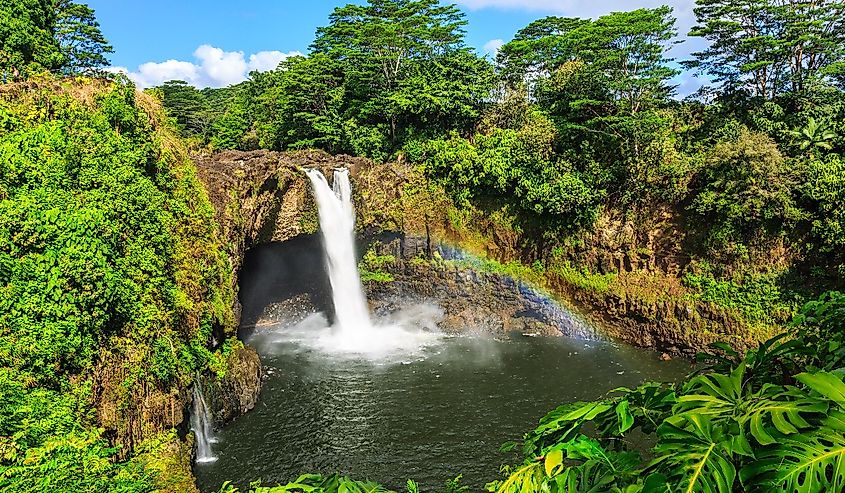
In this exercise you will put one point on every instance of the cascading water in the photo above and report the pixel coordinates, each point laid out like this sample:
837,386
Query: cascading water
353,333
337,223
201,424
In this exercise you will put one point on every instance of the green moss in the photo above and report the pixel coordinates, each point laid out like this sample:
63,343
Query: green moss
583,278
309,221
372,266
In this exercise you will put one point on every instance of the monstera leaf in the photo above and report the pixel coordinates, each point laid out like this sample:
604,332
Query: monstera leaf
810,462
694,455
714,394
646,406
804,463
772,409
563,425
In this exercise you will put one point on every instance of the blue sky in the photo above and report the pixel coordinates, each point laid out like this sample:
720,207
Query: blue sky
216,43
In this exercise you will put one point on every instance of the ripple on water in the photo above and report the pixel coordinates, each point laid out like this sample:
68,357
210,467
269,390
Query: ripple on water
389,416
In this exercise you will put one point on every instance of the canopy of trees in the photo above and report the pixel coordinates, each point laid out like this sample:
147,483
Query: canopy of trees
53,35
575,122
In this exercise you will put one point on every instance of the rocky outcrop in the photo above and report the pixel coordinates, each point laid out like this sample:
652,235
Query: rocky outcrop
263,196
676,325
236,391
470,299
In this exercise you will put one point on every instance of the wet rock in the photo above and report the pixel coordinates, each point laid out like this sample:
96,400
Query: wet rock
474,300
237,391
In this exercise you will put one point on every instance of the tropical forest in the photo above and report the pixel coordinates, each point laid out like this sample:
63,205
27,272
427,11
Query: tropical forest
422,246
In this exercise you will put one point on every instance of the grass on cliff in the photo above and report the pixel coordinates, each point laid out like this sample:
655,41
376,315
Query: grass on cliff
112,278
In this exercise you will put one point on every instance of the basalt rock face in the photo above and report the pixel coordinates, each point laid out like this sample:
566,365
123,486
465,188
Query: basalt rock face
237,391
471,300
674,325
263,196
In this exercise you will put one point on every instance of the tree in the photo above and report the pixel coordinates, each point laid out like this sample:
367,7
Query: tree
27,43
770,46
604,83
745,189
386,48
539,49
624,53
187,106
79,38
628,51
53,35
301,104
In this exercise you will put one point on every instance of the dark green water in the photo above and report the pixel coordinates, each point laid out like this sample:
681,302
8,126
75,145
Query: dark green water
444,413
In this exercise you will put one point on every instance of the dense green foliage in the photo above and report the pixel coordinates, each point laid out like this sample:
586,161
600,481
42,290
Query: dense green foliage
109,255
108,250
577,121
49,35
772,420
770,47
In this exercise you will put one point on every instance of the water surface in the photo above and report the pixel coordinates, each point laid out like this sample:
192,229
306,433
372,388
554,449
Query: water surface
441,413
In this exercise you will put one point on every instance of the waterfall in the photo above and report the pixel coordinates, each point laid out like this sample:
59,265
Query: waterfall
337,224
201,424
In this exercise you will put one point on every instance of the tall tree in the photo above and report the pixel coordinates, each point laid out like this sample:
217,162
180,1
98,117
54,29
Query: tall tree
769,46
54,35
384,45
624,52
539,48
27,43
79,38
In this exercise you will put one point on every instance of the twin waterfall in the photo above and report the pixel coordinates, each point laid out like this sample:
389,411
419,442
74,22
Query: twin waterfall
404,333
337,224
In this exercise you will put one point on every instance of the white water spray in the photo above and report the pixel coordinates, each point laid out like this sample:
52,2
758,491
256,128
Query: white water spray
337,224
201,424
353,333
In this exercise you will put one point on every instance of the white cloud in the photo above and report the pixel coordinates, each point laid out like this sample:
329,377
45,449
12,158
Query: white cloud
268,60
221,67
213,67
492,47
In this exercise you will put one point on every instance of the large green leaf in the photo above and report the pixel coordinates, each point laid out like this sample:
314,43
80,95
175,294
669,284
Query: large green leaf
695,455
783,410
563,425
803,463
591,469
725,397
829,385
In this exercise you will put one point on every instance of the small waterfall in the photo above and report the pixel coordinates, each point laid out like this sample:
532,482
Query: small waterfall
337,224
201,424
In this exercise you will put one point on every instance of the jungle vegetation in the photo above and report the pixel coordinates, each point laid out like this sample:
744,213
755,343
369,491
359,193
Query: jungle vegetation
110,260
576,119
